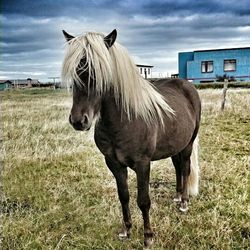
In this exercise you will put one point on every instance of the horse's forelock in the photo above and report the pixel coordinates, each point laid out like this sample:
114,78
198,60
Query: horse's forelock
113,68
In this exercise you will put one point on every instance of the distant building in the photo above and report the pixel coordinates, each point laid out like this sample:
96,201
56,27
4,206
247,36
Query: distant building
174,76
5,84
206,65
19,83
145,70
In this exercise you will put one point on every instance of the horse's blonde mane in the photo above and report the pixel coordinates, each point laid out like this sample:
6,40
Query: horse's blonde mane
114,69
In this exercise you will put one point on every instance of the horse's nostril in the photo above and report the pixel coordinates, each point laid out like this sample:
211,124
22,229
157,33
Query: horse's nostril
85,120
77,125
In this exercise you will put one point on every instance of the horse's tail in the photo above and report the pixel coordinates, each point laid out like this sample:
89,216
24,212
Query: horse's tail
193,179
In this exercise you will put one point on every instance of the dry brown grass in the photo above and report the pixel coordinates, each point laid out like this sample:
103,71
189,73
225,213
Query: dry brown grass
58,193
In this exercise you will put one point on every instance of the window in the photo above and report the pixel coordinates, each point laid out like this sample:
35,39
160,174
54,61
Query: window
207,66
230,65
149,71
140,70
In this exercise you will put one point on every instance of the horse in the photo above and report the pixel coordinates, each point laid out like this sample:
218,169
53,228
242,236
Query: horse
138,121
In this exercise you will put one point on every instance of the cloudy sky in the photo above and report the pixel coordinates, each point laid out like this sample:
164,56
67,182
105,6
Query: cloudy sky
153,31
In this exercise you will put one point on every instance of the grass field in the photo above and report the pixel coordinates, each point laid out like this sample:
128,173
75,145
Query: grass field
58,193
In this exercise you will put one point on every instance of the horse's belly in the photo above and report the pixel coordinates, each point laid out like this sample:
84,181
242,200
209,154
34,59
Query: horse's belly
162,153
170,145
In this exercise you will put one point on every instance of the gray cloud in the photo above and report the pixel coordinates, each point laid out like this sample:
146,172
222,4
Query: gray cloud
153,31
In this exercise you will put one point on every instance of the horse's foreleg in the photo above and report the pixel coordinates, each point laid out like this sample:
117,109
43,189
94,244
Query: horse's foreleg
120,172
143,199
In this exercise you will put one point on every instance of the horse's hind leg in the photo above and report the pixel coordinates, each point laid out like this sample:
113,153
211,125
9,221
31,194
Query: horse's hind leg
186,161
177,164
182,166
121,173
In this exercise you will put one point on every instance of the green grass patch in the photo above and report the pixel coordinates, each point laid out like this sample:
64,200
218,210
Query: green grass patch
58,193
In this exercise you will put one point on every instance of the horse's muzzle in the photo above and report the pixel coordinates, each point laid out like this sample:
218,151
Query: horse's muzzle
82,125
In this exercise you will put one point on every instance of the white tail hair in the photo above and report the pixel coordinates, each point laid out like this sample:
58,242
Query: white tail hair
193,179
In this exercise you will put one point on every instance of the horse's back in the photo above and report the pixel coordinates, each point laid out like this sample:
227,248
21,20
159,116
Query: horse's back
178,92
183,98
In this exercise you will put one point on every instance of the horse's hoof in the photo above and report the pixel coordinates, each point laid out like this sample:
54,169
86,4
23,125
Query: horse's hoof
123,235
177,199
183,210
148,243
184,207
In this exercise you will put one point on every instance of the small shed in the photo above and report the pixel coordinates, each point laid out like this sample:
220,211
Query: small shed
145,70
5,84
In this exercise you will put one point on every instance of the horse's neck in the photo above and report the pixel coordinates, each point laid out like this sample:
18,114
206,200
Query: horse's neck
113,115
111,111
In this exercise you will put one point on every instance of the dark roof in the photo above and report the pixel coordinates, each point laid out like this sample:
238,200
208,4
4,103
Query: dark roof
143,65
5,81
207,50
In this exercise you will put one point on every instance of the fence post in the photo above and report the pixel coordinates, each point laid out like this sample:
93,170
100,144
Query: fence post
225,88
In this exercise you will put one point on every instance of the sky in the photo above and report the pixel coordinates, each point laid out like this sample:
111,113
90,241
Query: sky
32,44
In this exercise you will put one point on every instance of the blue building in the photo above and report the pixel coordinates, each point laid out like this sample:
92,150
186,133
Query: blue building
206,65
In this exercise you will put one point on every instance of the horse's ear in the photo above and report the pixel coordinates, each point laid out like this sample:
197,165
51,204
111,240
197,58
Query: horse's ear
67,36
110,38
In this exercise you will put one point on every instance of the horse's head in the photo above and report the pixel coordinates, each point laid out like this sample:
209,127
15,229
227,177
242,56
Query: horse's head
86,106
86,98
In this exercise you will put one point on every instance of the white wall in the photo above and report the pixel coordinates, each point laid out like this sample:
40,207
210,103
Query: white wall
142,71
